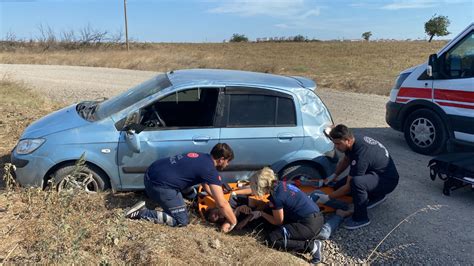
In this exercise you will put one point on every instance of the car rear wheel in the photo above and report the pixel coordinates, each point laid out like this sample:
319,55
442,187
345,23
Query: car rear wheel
295,172
90,179
425,132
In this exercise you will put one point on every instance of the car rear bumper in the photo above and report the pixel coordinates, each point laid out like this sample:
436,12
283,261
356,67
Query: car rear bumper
392,115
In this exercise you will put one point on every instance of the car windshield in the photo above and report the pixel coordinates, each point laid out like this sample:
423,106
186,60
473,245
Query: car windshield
133,95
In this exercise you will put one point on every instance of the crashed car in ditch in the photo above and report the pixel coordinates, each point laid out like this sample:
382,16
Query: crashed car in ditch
266,119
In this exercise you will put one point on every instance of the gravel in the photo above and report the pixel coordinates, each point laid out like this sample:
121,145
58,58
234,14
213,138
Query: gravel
440,232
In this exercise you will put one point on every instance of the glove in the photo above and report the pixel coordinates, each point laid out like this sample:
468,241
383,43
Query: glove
323,198
319,197
329,179
255,215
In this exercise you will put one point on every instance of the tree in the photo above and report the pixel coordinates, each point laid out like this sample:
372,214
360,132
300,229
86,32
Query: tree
238,38
299,38
437,25
366,35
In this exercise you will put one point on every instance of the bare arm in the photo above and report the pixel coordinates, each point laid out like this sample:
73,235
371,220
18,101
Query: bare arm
344,190
341,166
223,204
276,218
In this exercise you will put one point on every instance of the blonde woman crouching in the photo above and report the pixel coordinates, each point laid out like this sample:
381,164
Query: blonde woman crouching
295,217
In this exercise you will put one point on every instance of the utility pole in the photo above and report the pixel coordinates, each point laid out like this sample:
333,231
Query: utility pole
126,23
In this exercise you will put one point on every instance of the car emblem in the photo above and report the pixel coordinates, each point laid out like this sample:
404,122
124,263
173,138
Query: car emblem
105,150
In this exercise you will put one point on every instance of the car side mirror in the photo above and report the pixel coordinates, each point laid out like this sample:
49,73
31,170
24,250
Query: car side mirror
132,122
133,140
433,66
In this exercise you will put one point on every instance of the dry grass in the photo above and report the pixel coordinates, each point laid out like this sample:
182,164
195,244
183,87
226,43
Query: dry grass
367,67
18,108
49,228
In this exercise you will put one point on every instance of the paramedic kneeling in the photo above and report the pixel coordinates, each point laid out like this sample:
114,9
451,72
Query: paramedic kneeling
166,178
372,173
303,221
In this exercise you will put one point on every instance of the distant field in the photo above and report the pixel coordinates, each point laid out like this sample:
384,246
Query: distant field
367,67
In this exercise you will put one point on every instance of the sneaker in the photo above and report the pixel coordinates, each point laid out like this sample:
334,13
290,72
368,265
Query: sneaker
133,212
350,224
316,252
375,202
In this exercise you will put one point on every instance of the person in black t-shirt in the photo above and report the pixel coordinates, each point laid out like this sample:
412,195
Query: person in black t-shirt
167,178
295,218
372,173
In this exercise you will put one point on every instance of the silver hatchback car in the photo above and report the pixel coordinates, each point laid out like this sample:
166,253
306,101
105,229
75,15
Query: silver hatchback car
268,120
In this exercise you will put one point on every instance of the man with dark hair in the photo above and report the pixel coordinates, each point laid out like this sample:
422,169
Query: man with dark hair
167,178
372,173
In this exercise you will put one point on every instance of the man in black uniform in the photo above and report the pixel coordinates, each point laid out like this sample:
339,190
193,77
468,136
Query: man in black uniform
372,173
166,179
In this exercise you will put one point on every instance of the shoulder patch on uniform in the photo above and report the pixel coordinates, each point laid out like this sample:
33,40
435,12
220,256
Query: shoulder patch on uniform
193,155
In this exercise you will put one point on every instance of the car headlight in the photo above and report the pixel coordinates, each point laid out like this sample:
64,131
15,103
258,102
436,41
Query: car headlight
400,80
27,146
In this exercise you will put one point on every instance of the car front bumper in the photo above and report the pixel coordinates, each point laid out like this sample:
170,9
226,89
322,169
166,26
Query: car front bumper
30,169
392,115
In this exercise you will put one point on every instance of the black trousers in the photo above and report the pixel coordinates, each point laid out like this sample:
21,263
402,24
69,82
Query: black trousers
369,187
296,236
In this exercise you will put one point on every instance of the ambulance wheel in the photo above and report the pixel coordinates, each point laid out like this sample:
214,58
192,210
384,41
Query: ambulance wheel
297,171
425,132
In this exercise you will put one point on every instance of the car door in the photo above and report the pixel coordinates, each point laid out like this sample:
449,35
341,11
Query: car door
454,87
188,116
261,126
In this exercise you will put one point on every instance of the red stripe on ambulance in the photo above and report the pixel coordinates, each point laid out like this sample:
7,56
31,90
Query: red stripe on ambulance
454,95
424,93
456,105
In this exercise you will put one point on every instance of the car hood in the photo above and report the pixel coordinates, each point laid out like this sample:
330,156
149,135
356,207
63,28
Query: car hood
411,69
64,119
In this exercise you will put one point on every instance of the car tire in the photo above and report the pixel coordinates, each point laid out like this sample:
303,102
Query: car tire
90,178
297,171
425,132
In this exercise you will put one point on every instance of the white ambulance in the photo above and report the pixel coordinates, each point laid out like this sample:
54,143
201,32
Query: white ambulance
433,103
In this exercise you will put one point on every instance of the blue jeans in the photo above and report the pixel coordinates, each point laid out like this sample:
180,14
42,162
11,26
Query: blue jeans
330,227
171,200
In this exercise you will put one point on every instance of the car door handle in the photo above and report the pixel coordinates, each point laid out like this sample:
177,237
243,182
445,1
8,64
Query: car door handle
286,136
201,139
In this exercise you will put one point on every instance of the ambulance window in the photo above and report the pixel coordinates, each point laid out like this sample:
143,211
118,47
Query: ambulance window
459,61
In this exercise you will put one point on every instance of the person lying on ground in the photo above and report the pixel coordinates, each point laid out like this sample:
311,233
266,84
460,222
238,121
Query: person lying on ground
166,178
295,218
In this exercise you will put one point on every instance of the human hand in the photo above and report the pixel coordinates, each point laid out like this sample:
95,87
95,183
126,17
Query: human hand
244,209
225,227
323,198
255,215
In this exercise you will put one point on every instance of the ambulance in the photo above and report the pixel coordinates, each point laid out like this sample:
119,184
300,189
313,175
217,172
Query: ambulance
433,103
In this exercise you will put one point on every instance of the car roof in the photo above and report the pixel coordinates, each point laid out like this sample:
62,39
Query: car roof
207,77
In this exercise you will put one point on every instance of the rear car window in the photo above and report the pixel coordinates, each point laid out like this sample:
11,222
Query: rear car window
260,110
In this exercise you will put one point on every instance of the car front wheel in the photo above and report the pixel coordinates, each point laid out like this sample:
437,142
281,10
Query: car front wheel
89,179
425,132
297,171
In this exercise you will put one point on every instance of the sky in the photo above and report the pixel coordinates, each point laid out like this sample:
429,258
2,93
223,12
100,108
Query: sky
218,20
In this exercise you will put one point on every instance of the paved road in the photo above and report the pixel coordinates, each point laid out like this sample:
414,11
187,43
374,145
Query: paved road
439,236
